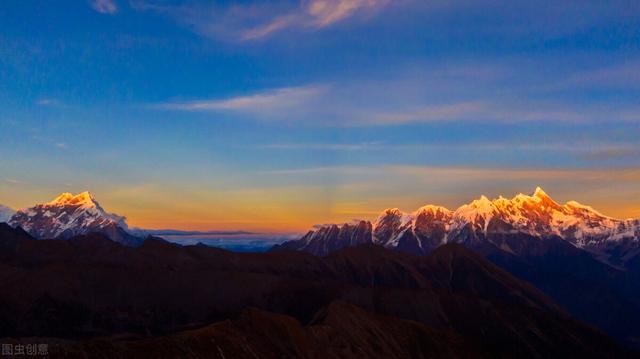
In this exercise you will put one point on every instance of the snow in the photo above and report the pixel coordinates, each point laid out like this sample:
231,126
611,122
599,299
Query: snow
84,199
581,207
430,208
537,215
5,213
78,214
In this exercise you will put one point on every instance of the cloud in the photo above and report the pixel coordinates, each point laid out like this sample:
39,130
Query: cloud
364,146
61,145
49,102
622,75
327,12
257,20
424,94
340,105
273,101
433,113
484,110
274,25
579,149
610,153
468,172
104,6
533,150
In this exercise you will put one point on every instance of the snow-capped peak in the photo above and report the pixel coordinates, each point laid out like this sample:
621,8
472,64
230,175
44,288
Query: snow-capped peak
485,220
66,216
83,199
540,193
430,208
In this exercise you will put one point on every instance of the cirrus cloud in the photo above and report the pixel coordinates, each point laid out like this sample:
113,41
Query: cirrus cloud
104,6
258,20
270,102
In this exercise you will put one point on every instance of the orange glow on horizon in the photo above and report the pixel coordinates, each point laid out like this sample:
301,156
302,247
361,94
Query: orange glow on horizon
363,193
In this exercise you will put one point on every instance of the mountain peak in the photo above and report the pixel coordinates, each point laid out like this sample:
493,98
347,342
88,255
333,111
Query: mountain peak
83,199
540,193
433,209
541,196
71,215
481,203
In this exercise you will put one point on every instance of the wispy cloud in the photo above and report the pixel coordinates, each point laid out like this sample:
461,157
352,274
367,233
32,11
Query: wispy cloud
273,101
488,111
327,12
104,6
49,102
591,152
620,152
433,113
463,172
428,93
619,75
277,24
12,181
48,141
335,106
257,20
326,146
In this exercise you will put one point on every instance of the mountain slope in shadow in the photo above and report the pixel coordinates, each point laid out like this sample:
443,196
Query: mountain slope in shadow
363,300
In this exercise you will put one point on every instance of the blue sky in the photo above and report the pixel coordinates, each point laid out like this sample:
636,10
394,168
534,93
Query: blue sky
279,115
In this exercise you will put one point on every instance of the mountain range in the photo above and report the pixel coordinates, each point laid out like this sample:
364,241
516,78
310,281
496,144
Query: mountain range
611,240
587,262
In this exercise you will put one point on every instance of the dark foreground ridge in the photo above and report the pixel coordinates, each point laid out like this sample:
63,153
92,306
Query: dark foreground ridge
591,290
91,297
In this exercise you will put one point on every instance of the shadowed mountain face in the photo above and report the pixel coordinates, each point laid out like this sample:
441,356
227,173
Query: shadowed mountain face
363,301
341,330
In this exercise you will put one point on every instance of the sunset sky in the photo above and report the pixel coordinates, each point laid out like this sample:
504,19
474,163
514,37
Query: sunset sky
274,116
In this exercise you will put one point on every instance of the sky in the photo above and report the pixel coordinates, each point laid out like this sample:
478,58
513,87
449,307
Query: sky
274,116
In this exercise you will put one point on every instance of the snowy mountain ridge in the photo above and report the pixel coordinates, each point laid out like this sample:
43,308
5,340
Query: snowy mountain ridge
536,215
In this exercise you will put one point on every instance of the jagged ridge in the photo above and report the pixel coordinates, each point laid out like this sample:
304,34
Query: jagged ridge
537,215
